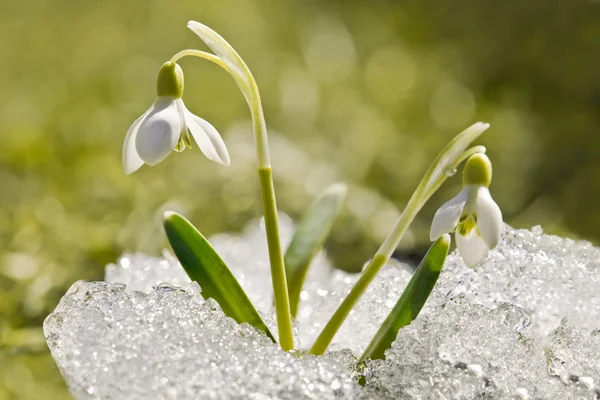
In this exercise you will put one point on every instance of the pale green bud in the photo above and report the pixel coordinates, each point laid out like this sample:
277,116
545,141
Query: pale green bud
478,170
170,80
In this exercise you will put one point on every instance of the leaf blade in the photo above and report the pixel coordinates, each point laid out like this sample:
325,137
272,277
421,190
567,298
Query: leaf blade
411,301
204,265
310,234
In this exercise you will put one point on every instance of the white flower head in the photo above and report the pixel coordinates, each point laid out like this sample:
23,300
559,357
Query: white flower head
167,126
472,214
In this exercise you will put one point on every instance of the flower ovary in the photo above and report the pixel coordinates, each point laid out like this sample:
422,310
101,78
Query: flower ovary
478,171
170,80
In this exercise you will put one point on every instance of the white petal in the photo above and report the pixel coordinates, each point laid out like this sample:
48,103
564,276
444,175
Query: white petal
489,218
207,138
130,158
159,132
446,218
472,248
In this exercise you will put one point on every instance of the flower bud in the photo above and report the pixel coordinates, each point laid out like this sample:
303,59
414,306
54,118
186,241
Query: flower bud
170,80
478,170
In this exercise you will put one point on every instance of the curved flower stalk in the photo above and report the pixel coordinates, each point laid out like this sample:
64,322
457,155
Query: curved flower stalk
443,166
229,59
239,71
472,214
167,125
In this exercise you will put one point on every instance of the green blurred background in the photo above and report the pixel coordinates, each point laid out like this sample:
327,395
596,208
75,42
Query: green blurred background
360,91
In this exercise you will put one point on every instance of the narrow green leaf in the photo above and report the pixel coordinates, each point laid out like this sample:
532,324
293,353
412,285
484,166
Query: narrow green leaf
309,237
412,300
205,266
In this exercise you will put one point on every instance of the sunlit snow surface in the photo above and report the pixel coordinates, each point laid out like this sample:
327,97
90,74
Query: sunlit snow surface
494,332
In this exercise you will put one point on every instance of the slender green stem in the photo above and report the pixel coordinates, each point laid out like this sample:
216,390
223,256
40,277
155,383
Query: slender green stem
450,157
282,303
280,289
468,153
199,54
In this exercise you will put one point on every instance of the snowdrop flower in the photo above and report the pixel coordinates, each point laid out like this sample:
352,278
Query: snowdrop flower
167,126
473,214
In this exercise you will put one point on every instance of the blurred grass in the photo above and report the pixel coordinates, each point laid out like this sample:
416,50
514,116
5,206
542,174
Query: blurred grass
360,91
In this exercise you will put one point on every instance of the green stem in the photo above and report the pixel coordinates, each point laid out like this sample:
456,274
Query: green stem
280,289
282,303
199,54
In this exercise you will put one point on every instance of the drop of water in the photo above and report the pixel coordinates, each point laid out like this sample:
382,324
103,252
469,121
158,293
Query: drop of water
450,171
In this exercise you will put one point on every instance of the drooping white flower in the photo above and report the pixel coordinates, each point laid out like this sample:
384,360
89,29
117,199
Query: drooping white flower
472,214
167,126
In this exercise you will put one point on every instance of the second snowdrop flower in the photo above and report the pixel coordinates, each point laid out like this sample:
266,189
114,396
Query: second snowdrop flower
167,125
472,214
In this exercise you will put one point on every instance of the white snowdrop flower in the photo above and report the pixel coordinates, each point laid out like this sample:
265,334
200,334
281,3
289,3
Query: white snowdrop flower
167,126
473,214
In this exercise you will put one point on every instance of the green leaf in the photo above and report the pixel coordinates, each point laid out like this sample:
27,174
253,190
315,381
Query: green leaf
309,237
412,300
205,266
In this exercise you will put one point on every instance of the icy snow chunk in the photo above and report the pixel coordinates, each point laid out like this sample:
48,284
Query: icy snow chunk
574,356
141,273
113,344
470,352
464,351
497,331
549,276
